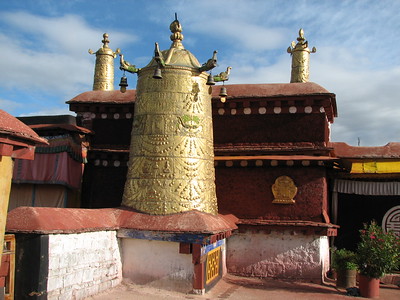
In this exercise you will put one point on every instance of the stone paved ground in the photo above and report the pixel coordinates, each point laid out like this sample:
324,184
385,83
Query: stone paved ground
243,288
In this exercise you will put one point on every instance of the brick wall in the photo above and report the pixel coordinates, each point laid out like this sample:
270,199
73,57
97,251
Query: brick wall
278,255
83,264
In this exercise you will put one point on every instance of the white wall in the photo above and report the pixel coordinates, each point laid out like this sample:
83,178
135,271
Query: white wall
157,263
325,254
279,255
83,264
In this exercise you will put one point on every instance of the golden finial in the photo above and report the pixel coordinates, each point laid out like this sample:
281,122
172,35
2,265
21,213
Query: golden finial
176,36
105,40
300,58
104,68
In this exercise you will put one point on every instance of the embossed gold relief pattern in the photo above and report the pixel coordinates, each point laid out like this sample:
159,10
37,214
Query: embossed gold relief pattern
168,167
171,167
156,196
104,73
284,190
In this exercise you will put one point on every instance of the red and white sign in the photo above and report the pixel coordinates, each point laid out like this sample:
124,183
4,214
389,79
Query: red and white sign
391,220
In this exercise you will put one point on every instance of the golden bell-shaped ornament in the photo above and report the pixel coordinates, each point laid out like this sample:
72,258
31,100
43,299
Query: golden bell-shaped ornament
223,94
157,73
123,84
210,80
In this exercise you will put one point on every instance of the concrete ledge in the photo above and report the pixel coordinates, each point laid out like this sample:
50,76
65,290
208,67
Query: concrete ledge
47,220
192,221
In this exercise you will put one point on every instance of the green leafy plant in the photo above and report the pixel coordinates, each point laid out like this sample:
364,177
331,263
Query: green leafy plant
377,252
343,259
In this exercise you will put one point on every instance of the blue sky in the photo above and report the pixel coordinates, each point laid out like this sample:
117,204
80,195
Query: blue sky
44,55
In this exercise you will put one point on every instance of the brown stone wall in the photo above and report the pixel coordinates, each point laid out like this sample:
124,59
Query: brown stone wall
246,192
112,132
103,186
282,128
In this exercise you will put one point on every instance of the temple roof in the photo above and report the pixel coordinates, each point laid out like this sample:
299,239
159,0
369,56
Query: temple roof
11,127
389,151
66,127
106,97
273,90
235,91
53,122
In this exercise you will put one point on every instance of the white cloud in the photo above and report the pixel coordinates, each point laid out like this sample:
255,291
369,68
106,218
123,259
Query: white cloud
250,69
50,54
68,34
244,36
8,105
366,98
50,111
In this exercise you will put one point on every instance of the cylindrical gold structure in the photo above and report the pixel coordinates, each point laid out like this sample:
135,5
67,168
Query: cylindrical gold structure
300,66
300,59
104,68
171,164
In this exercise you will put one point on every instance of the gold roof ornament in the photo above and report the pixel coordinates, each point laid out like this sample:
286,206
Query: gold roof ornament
171,160
300,59
176,55
104,68
176,36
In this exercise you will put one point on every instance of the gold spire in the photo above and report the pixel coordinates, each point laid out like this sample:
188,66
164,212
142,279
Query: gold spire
176,36
300,58
176,55
104,68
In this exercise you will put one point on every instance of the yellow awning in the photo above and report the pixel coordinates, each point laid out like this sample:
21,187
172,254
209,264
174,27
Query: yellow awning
376,167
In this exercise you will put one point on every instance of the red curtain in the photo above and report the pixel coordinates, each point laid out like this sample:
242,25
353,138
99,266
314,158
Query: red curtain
50,168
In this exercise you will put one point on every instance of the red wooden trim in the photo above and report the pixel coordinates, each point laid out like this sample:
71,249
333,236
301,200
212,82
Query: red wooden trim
185,248
6,149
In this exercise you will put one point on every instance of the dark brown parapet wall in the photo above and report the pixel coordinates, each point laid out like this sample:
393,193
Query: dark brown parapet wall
280,95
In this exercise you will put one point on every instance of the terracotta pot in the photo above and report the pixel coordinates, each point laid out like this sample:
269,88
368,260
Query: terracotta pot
369,287
346,278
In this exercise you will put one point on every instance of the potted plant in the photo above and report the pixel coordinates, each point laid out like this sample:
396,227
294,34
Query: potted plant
345,264
377,253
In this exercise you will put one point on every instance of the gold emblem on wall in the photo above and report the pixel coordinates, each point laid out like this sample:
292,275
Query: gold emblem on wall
284,190
212,264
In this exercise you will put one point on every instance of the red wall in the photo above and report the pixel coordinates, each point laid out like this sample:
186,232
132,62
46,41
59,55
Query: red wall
112,132
269,128
246,192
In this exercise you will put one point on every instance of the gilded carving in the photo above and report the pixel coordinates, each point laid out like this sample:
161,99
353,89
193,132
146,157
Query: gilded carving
159,196
284,190
189,146
193,101
171,167
300,59
104,68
